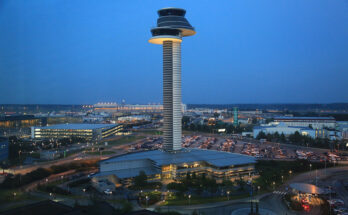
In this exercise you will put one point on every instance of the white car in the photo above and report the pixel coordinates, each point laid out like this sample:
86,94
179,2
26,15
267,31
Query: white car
108,192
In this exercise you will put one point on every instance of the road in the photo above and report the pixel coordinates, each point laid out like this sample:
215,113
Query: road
268,201
23,169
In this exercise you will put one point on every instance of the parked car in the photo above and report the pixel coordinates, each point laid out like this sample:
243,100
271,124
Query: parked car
108,192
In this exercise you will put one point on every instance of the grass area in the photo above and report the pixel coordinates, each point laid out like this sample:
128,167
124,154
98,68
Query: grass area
69,153
35,155
124,140
100,153
175,200
153,197
12,195
150,131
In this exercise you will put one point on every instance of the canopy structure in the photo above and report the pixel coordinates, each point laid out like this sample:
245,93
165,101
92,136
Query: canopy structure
307,188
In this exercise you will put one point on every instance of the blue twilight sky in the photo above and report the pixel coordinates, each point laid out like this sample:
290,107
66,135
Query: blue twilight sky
245,51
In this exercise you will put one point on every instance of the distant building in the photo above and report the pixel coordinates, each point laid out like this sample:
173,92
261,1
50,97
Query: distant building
87,131
282,128
134,118
114,107
244,120
343,128
3,149
20,121
313,122
93,118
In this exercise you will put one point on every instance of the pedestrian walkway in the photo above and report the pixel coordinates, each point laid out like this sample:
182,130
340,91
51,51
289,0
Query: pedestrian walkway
282,193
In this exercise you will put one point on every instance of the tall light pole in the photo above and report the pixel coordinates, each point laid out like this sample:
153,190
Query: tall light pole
147,200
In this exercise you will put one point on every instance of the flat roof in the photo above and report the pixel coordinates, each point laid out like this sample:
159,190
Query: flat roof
78,126
303,118
282,125
130,173
213,157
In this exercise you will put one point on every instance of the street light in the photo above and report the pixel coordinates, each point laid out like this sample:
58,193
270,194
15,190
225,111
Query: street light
282,179
147,200
228,195
189,196
273,185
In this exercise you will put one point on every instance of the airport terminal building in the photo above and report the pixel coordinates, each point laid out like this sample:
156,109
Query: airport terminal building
87,131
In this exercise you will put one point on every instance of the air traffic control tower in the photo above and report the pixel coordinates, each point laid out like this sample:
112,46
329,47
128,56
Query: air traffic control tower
172,26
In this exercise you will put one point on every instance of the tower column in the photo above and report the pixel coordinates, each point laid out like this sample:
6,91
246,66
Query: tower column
172,95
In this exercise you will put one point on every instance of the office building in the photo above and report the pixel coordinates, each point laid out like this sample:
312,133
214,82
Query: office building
86,131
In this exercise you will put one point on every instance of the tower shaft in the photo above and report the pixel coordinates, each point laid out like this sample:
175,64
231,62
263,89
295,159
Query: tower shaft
172,95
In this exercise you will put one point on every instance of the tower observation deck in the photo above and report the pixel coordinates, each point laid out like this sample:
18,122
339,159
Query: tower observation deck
172,26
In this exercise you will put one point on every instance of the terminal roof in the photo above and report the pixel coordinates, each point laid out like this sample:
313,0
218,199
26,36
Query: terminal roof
216,158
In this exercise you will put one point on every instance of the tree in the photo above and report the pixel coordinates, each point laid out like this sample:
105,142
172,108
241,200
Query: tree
140,180
261,135
282,138
296,137
276,136
192,127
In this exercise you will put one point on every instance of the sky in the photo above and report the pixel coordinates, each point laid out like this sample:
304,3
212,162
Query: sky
245,51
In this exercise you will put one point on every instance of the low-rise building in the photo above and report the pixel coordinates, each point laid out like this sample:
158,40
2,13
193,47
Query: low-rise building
161,165
313,122
282,128
343,128
20,121
86,131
